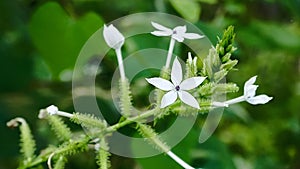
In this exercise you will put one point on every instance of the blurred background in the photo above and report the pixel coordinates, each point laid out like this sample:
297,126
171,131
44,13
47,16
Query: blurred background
41,39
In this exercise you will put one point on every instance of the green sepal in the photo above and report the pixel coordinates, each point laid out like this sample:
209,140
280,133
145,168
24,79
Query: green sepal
218,76
102,156
217,88
61,130
125,98
27,142
89,121
229,65
28,145
225,45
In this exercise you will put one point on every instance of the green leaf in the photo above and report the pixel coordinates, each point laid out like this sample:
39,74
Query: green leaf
189,9
59,37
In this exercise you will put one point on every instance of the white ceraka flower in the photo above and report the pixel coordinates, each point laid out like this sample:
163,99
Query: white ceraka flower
53,110
113,37
177,87
249,94
178,33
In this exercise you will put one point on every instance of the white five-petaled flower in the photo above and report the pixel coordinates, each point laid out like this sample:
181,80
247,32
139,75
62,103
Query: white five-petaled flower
177,87
249,94
113,37
178,33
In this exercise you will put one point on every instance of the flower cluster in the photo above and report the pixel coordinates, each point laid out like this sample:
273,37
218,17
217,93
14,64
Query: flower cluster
192,91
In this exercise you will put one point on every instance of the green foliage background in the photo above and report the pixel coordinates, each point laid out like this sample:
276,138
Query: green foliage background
41,39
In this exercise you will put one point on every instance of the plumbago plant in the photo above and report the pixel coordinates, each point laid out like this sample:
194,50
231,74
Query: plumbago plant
179,93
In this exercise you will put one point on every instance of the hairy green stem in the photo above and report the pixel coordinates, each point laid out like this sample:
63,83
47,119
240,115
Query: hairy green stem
132,120
148,133
44,157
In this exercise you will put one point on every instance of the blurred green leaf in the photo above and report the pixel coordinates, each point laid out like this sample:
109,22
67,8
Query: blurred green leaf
279,34
211,32
235,8
270,35
189,9
59,37
208,1
15,62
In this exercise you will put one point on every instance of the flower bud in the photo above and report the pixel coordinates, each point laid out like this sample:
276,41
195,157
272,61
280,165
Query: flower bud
113,37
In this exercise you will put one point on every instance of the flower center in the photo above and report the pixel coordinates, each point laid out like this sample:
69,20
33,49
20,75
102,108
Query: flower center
177,88
174,31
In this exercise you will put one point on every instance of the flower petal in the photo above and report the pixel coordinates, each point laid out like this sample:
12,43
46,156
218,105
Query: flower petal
178,33
250,91
177,37
179,30
160,27
168,98
260,99
249,82
191,83
188,99
160,83
162,33
176,73
113,37
52,110
192,36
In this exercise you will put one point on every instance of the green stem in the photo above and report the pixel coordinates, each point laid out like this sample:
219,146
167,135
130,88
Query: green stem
148,133
42,158
132,120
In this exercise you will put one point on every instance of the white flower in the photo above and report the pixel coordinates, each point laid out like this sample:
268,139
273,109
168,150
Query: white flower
177,87
113,37
52,110
249,94
250,90
178,33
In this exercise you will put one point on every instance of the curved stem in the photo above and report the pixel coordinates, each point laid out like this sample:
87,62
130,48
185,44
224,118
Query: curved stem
49,160
132,120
